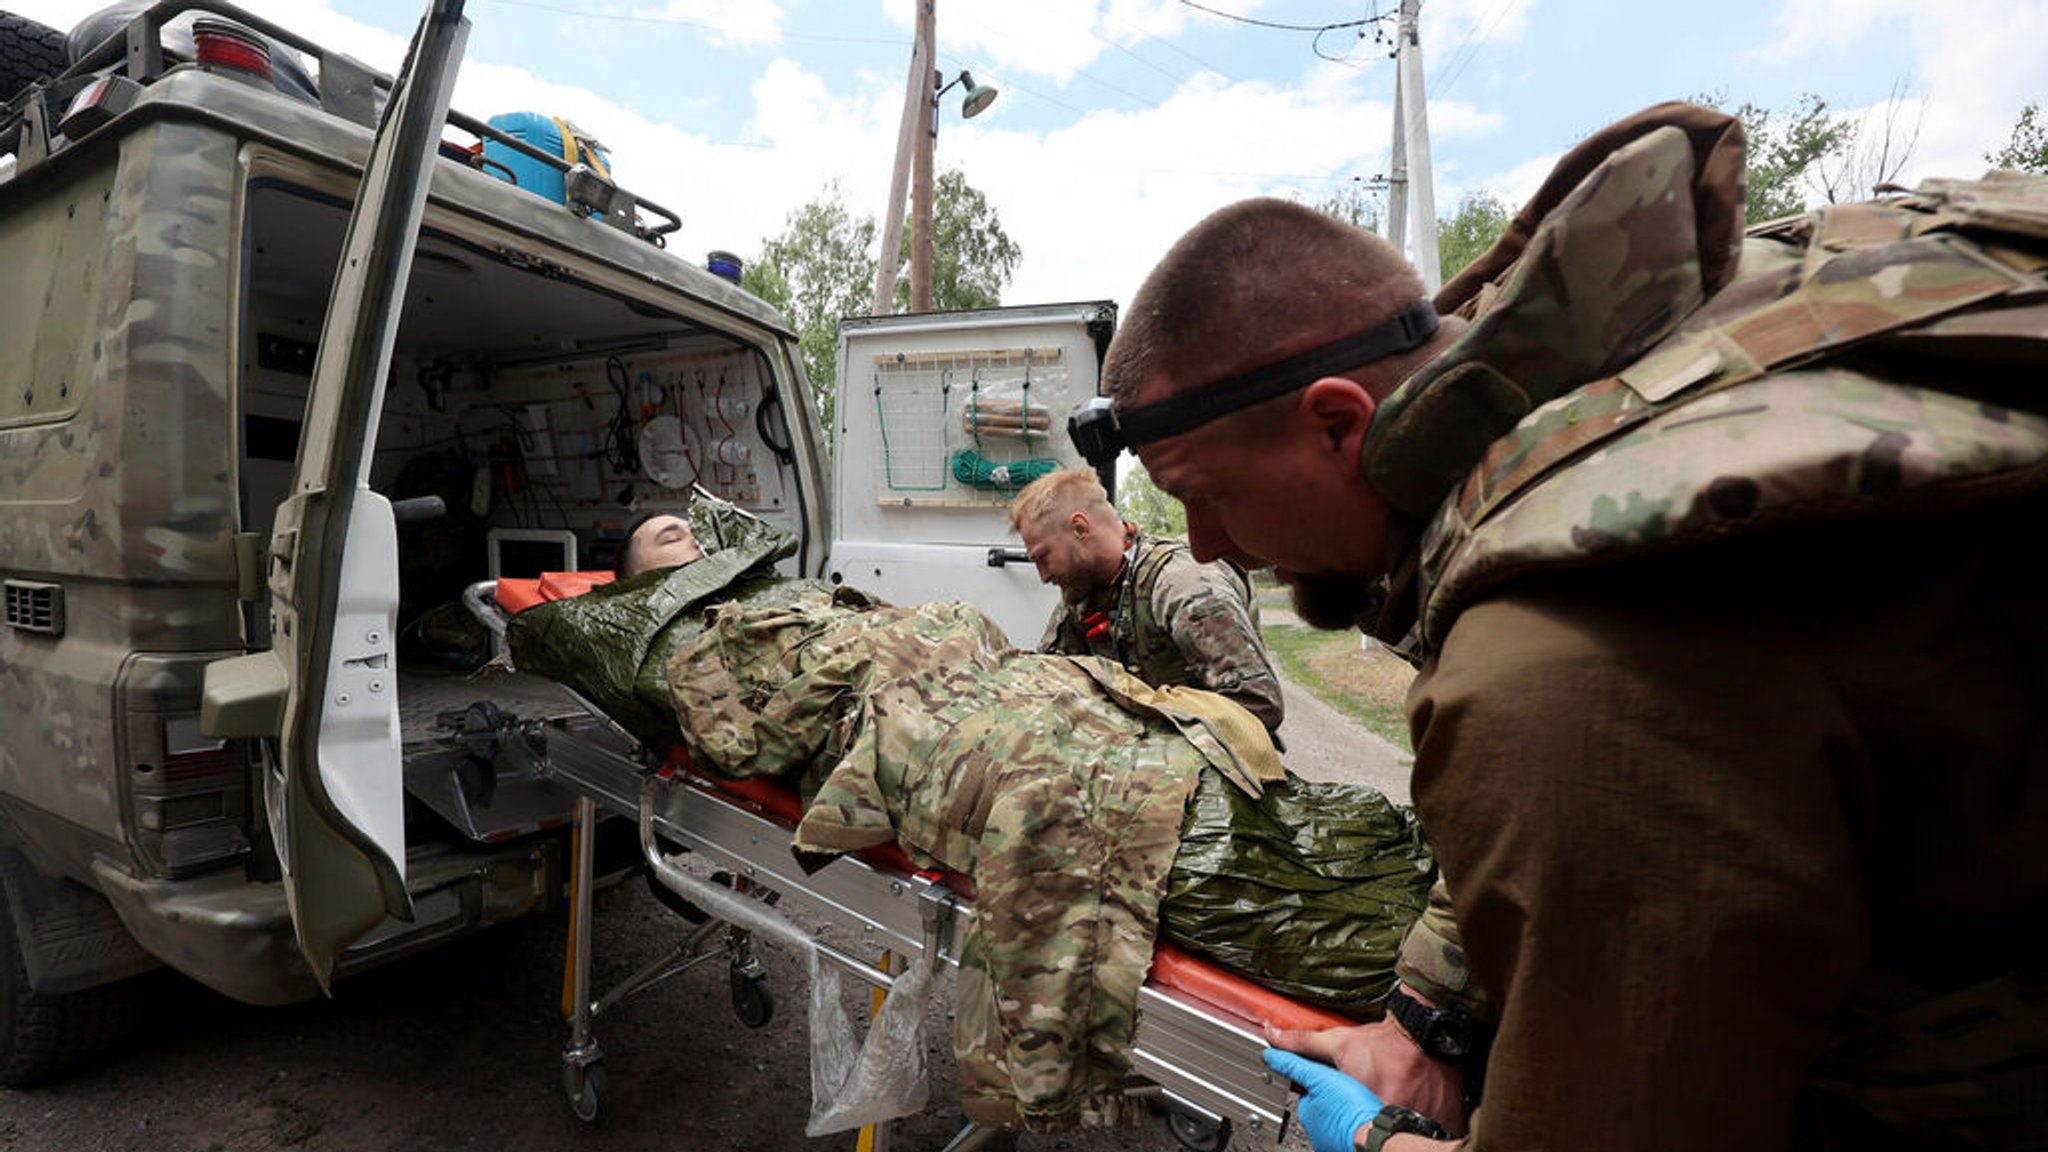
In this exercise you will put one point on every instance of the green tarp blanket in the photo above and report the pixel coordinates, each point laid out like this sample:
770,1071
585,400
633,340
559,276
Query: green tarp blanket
1306,889
613,643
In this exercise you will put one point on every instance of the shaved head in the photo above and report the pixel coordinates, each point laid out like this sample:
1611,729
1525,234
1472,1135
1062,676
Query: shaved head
1254,283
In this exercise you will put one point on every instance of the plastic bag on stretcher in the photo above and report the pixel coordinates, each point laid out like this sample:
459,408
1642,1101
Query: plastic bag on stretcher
856,1083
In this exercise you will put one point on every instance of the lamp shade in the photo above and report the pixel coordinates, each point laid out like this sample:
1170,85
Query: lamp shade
977,98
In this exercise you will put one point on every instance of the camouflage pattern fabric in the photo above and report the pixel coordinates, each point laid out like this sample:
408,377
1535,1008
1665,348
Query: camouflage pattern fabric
613,643
1433,962
1236,745
1174,621
922,727
1861,361
1663,419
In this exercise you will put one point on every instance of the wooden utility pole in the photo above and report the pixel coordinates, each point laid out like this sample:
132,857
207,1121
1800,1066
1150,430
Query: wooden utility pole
913,136
921,174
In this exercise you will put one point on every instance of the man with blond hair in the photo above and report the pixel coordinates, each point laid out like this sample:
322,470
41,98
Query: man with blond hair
1142,600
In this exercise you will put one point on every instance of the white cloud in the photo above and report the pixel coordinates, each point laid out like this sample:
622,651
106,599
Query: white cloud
1517,184
1807,25
1975,69
1052,40
742,22
1092,203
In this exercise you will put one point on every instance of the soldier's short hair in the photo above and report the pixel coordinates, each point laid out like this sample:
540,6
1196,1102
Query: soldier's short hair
1253,283
1057,494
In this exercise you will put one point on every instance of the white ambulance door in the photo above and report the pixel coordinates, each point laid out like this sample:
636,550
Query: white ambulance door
937,418
334,791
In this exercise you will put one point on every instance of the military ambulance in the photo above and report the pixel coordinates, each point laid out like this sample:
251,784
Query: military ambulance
278,387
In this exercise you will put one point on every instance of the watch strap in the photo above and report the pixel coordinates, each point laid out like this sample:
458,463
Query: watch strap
1445,1033
1394,1119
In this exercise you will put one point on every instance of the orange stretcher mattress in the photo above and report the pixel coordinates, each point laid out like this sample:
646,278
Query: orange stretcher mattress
518,594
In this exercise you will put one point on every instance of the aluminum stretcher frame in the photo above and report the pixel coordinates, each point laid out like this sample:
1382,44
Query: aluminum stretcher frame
1198,1046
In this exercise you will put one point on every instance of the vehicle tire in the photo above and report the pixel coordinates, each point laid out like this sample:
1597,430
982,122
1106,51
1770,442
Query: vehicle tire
41,1035
28,52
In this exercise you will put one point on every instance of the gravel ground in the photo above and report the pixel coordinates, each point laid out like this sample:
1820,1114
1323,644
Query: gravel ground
460,1048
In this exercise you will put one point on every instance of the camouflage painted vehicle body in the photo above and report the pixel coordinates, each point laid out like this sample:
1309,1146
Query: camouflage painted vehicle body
169,259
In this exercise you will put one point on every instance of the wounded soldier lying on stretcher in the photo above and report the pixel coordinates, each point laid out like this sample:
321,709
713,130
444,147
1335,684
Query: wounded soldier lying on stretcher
1090,811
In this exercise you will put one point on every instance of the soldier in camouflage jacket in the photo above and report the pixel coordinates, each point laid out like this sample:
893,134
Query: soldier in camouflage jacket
1142,600
1723,553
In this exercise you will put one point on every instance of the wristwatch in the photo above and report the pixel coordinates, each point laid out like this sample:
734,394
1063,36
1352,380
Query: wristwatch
1394,1119
1444,1032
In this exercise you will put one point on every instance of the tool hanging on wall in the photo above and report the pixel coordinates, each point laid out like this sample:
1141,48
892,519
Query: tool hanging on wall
1004,418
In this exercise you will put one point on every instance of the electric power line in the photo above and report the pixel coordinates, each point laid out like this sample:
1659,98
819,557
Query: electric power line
1257,23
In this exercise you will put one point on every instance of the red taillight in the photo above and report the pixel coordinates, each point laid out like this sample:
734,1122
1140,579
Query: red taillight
226,46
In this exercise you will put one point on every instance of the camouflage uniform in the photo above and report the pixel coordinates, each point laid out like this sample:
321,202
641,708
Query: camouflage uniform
1723,579
1174,621
1061,800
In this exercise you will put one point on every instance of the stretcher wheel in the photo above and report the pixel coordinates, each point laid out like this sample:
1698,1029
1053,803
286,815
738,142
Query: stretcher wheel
593,1087
1198,1133
751,1000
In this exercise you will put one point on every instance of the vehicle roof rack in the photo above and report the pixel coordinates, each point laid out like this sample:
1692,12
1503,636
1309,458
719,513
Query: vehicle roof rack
345,87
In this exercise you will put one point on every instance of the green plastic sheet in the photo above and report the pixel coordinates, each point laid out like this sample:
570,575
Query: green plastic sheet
613,643
1306,889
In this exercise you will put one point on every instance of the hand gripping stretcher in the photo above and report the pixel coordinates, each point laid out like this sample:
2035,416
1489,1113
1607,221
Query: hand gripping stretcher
1198,1041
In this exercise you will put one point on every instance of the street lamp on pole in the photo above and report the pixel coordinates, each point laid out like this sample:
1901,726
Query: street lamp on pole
914,139
972,104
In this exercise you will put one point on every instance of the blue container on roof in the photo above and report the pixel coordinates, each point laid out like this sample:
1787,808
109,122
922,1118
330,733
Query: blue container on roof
547,134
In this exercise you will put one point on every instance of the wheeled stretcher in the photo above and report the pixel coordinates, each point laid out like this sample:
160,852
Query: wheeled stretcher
1198,1043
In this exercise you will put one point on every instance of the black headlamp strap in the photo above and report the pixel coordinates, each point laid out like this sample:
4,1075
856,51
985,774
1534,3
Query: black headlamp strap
1184,411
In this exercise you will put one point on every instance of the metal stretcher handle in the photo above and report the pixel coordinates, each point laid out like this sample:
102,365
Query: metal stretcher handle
735,909
481,600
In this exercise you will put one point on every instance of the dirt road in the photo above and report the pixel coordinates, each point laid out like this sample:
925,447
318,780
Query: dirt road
460,1048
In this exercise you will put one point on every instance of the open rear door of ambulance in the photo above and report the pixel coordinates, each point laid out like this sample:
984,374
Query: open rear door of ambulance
334,791
939,418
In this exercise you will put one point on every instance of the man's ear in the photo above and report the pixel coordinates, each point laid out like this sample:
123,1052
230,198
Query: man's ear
1340,411
1079,524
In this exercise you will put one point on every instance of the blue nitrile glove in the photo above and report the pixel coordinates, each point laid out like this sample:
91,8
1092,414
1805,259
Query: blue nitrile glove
1336,1106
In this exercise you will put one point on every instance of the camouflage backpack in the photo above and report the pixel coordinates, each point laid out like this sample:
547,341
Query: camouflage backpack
1639,377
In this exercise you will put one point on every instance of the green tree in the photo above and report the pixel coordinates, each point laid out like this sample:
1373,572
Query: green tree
1148,506
816,272
821,269
2027,149
1466,235
1787,152
972,257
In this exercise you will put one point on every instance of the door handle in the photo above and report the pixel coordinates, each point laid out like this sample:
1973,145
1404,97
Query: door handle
997,557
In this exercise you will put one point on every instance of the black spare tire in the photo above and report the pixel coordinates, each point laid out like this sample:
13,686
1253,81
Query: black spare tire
28,52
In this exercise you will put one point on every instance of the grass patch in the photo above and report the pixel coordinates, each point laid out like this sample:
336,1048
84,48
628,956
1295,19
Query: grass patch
1370,686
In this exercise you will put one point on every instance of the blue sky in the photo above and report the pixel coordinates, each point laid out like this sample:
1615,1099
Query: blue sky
1122,122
